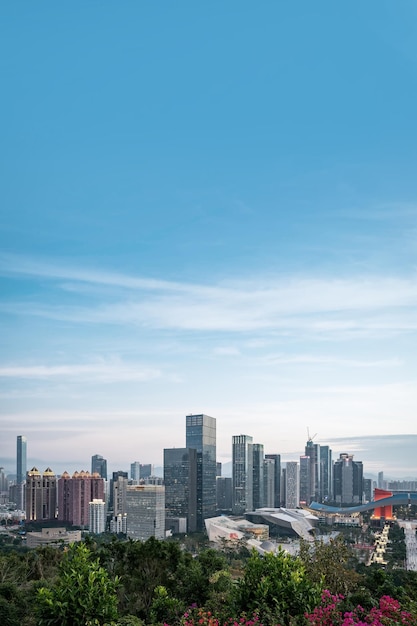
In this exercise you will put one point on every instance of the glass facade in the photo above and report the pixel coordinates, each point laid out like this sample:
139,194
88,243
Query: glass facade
21,454
99,466
242,470
278,499
258,475
201,436
180,478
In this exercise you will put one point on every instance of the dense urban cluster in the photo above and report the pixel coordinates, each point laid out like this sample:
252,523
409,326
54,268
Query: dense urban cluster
192,493
272,544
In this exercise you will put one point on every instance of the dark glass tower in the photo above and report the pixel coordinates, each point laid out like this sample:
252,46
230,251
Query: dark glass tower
21,468
325,474
99,466
242,474
278,497
258,476
180,479
201,436
21,455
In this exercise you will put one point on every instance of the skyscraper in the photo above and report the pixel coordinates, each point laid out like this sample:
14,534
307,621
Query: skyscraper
258,476
277,460
21,469
99,466
242,474
325,474
292,485
201,436
135,471
347,480
269,483
312,450
118,490
180,479
223,495
305,483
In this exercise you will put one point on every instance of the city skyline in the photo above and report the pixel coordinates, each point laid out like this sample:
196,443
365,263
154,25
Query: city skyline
392,456
208,209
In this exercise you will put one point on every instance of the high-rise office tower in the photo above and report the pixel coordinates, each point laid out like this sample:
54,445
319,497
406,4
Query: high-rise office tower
201,435
258,476
367,489
99,466
381,481
97,516
135,471
145,511
348,480
242,474
118,489
223,495
305,483
21,469
292,485
145,470
325,474
180,479
312,450
4,487
269,483
41,495
278,499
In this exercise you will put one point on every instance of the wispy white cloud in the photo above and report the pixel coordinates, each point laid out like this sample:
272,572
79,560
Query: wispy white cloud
226,351
112,371
353,305
310,359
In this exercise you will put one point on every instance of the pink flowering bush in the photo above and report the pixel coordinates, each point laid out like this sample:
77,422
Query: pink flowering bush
386,613
329,613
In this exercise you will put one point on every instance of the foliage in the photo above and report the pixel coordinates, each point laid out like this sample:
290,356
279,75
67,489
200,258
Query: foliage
199,617
165,608
276,587
330,563
83,594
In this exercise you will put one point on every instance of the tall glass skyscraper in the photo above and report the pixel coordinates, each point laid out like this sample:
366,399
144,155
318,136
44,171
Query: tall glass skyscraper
21,457
180,480
21,469
242,473
99,466
277,460
258,476
201,435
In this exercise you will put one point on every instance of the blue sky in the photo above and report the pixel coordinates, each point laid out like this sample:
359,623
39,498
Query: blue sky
206,207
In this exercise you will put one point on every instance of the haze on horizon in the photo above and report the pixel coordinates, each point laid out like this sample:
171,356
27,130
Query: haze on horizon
208,208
